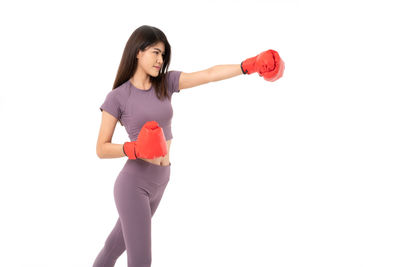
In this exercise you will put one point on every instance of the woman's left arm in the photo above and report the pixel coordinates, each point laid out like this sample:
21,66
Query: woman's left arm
212,74
222,72
267,64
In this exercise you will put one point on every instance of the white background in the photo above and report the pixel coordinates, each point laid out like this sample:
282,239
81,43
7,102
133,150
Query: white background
303,171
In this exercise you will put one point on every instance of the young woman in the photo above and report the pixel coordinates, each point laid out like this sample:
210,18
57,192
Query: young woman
141,101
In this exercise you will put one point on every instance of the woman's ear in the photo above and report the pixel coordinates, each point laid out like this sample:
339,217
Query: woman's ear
140,53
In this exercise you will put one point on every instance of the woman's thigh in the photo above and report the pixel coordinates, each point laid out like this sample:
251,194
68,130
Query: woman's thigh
138,190
133,205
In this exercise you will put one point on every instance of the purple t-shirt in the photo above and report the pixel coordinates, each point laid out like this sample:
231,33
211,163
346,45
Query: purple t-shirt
134,107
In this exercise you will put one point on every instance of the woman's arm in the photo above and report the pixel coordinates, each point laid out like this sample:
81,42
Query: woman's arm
110,150
267,64
212,74
222,72
105,148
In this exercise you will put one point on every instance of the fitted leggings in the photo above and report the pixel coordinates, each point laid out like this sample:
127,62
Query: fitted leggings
138,190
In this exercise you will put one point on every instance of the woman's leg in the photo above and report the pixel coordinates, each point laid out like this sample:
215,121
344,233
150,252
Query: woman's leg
115,244
133,206
113,248
137,199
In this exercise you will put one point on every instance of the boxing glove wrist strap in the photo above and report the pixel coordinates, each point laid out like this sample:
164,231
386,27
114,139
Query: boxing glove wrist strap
241,66
129,150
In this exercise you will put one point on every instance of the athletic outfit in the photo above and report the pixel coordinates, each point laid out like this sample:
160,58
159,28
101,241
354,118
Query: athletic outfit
140,185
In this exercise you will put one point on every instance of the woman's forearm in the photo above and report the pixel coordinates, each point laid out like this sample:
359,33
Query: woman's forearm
110,150
222,72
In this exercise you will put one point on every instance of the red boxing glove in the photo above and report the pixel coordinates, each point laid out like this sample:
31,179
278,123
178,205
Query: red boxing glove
268,64
149,144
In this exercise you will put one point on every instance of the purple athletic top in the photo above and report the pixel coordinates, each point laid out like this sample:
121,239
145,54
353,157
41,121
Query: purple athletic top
134,107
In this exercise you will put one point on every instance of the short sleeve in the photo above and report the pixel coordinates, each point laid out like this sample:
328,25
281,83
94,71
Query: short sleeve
173,81
112,105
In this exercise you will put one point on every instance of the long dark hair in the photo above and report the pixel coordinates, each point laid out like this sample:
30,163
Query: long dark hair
141,38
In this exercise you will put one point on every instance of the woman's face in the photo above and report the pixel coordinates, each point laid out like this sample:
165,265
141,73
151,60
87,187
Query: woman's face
152,58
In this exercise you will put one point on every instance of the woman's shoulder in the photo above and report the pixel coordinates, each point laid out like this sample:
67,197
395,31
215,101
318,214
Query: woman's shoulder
122,90
172,78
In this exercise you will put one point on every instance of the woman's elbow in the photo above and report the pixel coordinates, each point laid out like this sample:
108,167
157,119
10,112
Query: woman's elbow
99,152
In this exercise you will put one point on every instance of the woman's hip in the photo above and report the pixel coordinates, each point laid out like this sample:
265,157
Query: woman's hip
146,172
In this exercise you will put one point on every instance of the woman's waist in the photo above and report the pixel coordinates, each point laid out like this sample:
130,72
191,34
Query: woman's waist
161,161
148,170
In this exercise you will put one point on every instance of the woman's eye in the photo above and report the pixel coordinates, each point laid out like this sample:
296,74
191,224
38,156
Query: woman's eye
158,53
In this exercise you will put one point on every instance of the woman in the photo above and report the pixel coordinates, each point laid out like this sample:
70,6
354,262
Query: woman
141,101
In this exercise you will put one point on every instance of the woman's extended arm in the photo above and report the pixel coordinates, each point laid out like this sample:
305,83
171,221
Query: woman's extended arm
212,74
222,72
267,64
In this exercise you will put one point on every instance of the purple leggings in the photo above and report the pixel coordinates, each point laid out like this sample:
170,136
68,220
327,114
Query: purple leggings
137,192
